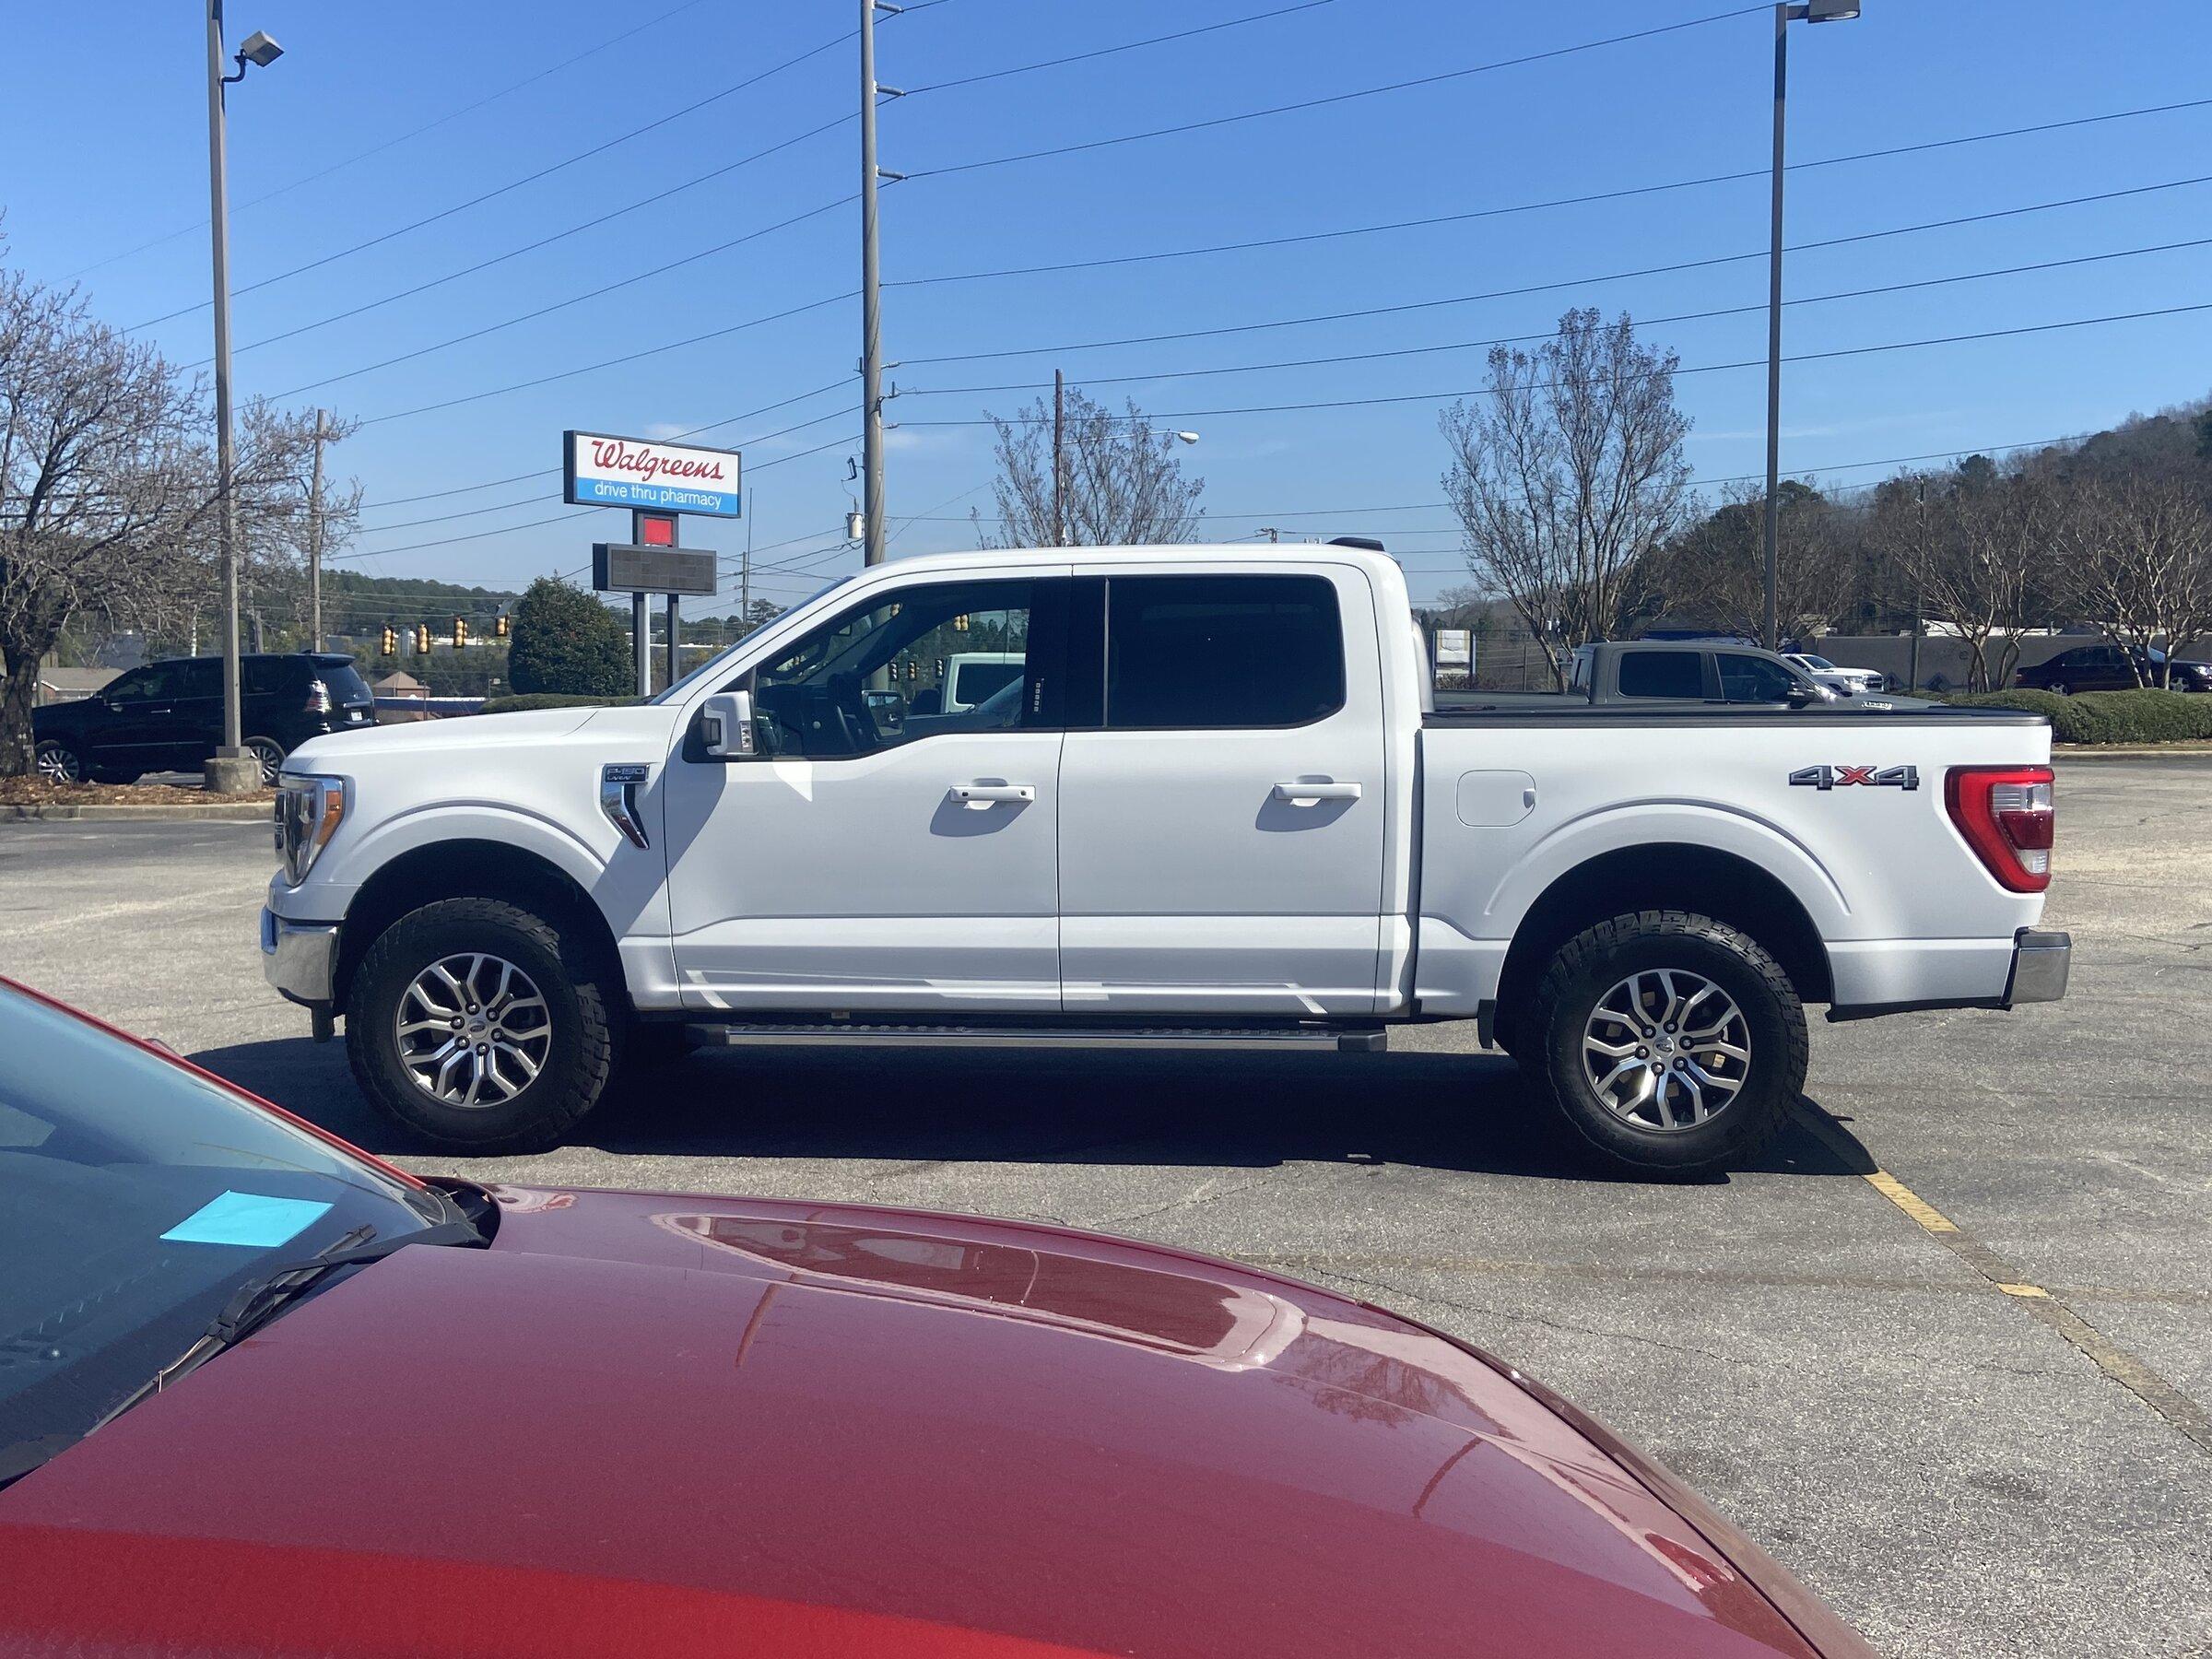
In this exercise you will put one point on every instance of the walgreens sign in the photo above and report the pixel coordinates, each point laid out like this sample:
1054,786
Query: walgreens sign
602,471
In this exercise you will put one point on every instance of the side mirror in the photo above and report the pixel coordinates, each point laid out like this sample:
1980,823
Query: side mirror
1803,696
725,725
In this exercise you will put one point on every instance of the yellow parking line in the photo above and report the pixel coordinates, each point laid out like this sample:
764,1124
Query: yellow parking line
2024,1291
1910,1202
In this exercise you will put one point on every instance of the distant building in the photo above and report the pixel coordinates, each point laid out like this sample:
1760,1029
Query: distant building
397,686
69,684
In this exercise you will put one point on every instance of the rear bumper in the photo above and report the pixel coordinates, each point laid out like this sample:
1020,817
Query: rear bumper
2035,971
300,959
2040,963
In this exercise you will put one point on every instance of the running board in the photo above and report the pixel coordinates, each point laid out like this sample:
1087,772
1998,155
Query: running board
1363,1040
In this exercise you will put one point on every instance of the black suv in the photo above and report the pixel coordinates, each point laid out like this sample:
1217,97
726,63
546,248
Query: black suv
168,716
2110,668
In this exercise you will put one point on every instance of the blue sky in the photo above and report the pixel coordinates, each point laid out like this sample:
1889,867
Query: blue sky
107,146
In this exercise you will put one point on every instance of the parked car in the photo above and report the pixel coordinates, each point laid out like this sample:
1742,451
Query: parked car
1211,810
1690,671
1847,682
2109,667
265,1394
168,715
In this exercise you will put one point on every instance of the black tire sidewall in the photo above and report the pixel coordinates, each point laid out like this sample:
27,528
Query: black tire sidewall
1771,1014
567,1086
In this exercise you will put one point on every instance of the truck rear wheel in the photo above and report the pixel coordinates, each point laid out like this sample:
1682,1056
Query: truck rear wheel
1669,1041
473,1024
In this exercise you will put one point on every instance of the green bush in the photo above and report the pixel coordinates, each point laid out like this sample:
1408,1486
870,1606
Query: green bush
567,644
548,700
2143,716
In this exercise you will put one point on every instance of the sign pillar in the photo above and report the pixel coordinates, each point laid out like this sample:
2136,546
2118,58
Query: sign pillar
676,653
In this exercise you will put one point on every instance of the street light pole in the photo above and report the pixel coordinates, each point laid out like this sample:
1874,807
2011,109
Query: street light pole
1812,11
233,747
232,770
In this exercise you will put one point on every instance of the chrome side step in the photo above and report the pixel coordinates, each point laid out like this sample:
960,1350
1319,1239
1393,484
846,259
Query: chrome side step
1312,1039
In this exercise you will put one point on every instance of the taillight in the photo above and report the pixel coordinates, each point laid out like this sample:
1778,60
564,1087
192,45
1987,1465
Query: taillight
318,698
2004,812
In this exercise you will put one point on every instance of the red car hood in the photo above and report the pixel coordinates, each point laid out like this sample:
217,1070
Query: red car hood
741,1426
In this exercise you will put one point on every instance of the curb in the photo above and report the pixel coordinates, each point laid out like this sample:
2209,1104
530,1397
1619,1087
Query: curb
253,812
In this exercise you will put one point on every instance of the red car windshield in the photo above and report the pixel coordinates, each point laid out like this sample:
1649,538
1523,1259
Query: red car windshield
135,1199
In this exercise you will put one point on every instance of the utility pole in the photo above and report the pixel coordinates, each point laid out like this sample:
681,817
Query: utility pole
871,294
1059,461
314,537
744,570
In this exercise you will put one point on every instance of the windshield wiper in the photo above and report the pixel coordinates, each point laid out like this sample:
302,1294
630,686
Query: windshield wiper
266,1295
255,1303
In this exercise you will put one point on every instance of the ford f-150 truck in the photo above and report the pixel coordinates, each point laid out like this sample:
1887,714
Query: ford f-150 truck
1212,804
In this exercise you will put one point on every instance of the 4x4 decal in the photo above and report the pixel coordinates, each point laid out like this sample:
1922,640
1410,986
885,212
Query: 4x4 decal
1843,777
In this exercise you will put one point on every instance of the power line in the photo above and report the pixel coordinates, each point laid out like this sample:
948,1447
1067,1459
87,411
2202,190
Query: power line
1698,316
554,472
1574,201
397,138
541,380
1658,270
1759,362
1337,97
558,517
547,172
1084,57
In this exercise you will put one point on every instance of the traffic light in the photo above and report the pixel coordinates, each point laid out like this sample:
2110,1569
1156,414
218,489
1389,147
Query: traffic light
422,639
460,632
391,641
499,627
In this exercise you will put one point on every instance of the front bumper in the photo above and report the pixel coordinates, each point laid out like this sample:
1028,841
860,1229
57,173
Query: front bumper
300,959
2040,963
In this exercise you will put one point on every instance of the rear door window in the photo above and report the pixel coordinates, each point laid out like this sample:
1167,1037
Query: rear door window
200,676
1205,653
1674,674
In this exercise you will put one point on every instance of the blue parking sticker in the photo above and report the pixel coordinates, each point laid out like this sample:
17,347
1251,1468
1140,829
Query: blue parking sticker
248,1218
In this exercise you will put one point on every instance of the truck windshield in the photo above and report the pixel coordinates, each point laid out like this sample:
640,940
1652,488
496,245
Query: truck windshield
135,1199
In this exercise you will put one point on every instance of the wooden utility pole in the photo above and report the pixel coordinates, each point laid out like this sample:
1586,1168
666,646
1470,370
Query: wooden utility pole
1059,459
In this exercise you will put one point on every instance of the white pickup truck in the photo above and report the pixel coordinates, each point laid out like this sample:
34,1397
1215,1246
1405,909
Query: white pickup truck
1214,807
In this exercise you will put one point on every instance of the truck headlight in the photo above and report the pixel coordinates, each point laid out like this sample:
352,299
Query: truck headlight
309,811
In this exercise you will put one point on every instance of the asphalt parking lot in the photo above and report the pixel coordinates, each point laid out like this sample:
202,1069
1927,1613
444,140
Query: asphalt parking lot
1991,1440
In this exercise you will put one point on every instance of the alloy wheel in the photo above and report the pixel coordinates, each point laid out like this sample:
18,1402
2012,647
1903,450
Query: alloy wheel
1666,1049
270,753
473,1031
59,764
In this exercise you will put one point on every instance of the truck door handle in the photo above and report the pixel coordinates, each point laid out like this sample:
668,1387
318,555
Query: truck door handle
992,794
1302,794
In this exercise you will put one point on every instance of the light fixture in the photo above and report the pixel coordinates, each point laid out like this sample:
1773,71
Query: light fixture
1830,11
259,50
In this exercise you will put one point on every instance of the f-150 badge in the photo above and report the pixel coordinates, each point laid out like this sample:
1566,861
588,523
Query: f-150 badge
1843,777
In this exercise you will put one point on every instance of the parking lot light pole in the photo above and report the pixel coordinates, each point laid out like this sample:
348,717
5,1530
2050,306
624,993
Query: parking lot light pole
1811,11
232,770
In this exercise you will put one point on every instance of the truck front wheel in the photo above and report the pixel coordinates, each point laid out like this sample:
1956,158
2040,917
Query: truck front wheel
1669,1041
473,1024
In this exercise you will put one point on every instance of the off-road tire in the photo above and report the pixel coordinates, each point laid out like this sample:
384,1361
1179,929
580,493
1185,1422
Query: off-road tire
579,996
1598,958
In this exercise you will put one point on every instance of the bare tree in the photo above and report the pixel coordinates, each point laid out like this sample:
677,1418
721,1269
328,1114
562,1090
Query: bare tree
1715,569
1566,476
107,488
1124,482
2137,561
1975,544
